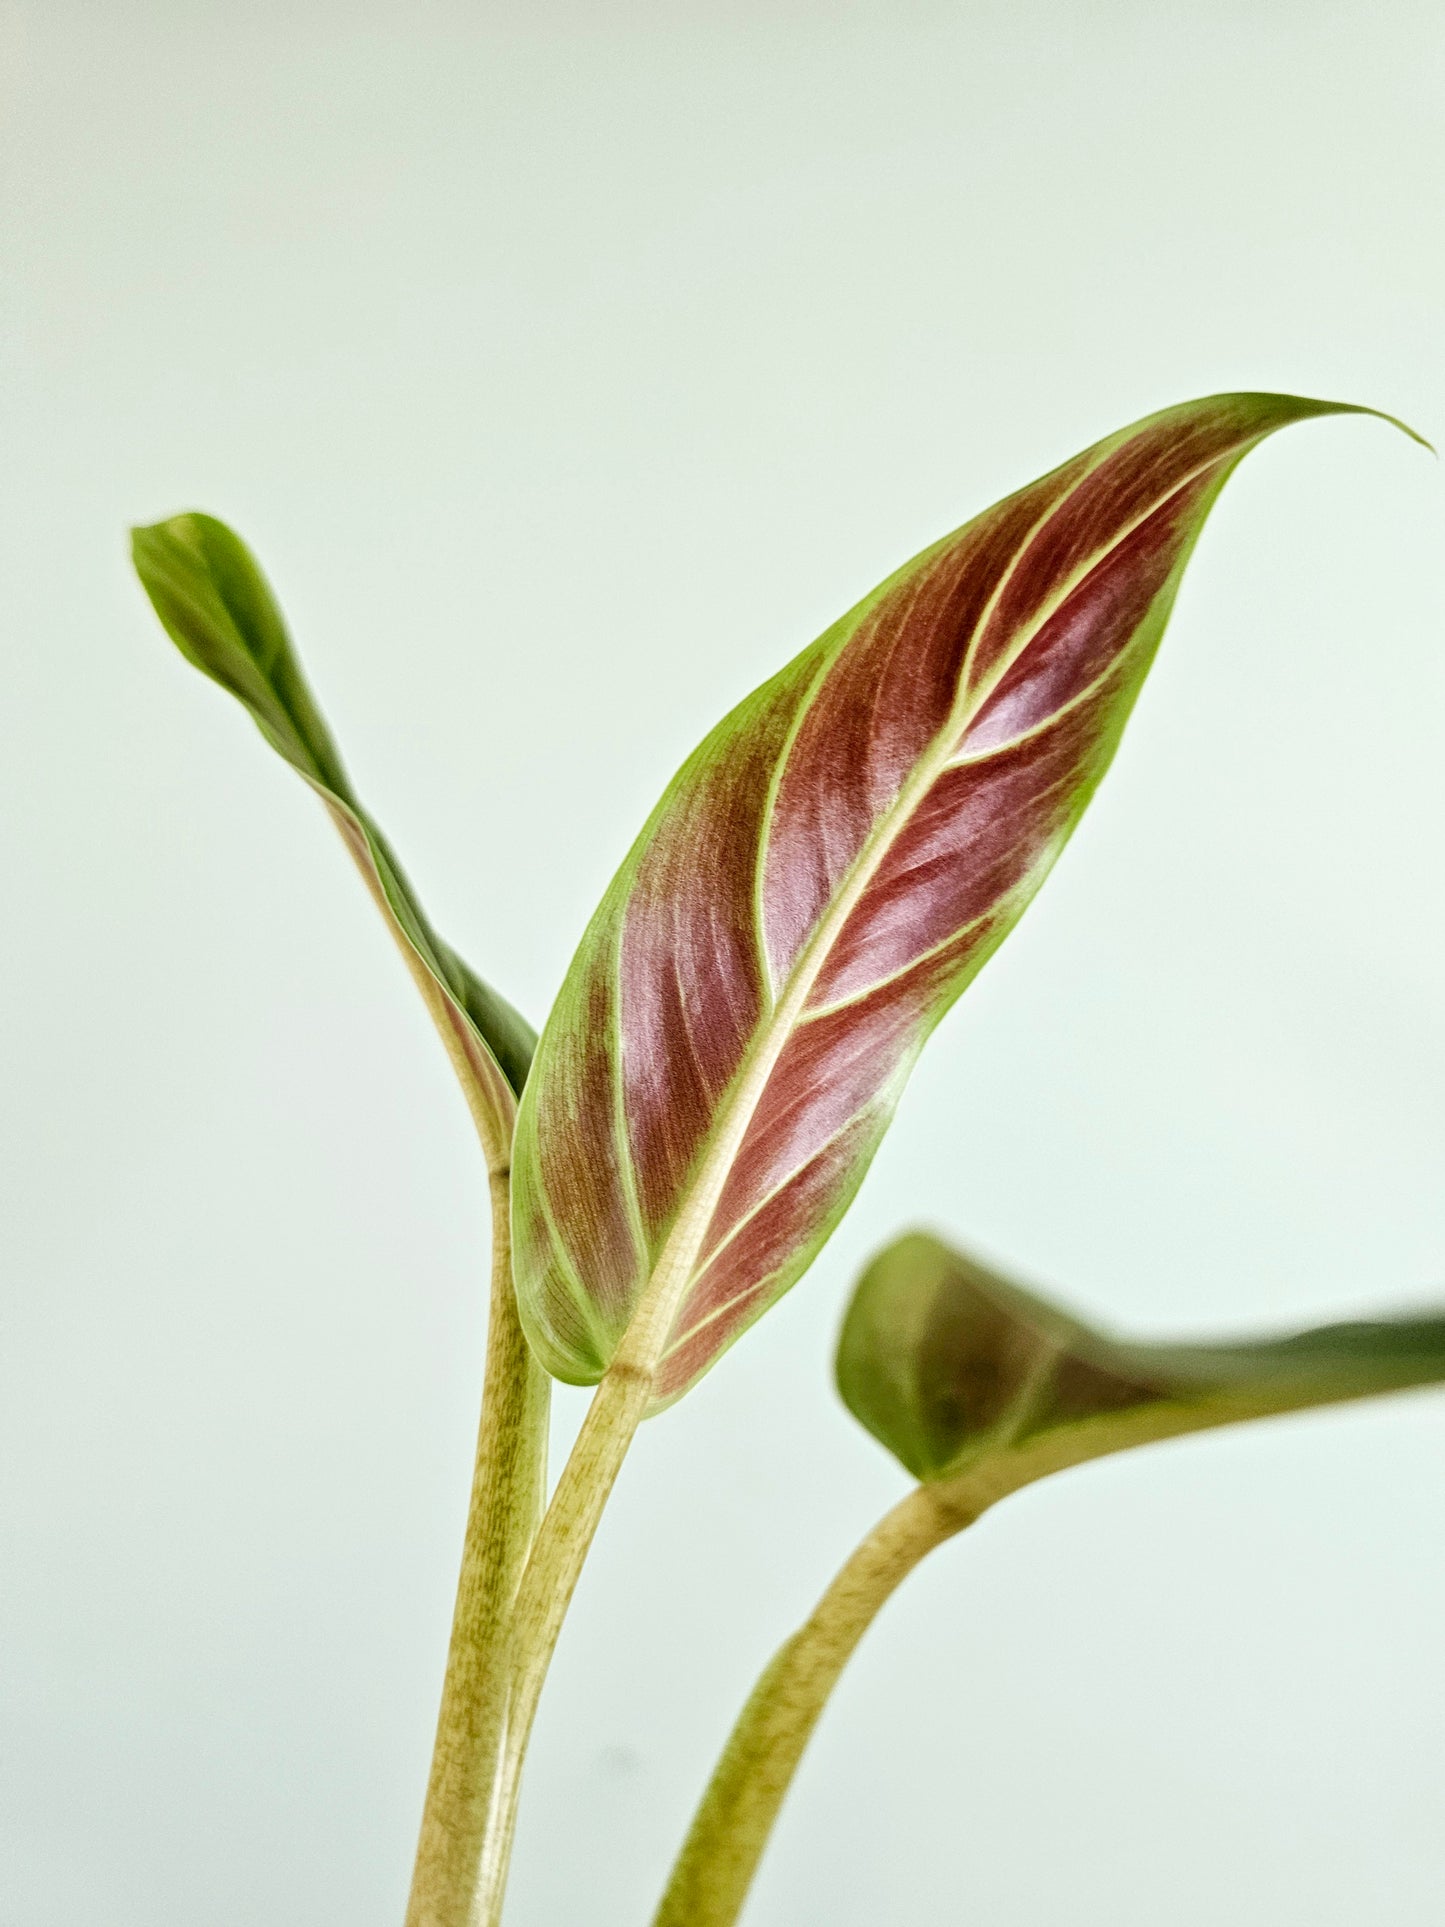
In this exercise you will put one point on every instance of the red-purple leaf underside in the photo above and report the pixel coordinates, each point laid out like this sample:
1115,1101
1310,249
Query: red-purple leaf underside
824,876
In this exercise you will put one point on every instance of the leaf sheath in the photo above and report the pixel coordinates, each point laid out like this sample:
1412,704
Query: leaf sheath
508,1491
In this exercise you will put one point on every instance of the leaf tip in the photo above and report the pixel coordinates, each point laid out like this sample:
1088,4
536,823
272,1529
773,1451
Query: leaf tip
1375,414
1396,421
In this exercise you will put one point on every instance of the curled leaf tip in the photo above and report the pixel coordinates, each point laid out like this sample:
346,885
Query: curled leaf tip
1395,421
1391,421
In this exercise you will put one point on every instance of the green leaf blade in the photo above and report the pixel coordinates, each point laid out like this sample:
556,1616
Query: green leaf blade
953,1367
217,607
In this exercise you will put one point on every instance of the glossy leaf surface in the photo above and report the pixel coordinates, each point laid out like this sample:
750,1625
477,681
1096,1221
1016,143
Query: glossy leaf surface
948,1364
822,879
218,609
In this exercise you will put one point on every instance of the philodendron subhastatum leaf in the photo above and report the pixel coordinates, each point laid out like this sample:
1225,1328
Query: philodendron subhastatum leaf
218,609
952,1366
824,876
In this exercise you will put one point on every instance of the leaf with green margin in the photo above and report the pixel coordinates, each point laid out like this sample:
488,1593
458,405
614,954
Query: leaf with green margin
825,875
953,1367
218,609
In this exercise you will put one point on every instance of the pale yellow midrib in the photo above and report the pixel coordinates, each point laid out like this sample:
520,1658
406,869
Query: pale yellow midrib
657,1306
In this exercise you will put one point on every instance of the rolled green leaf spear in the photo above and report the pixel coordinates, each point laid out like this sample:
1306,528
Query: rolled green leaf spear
980,1388
217,608
823,878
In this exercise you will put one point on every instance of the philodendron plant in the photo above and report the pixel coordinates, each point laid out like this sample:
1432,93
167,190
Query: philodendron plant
823,877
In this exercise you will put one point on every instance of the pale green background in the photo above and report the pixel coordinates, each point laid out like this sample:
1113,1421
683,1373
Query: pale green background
570,367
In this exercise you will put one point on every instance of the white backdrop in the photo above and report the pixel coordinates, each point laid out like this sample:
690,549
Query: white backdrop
570,367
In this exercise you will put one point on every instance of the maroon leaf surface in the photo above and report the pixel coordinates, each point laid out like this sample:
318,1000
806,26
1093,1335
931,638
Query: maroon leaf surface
823,877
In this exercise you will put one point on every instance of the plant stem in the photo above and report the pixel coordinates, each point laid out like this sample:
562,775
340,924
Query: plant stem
545,1592
715,1868
508,1488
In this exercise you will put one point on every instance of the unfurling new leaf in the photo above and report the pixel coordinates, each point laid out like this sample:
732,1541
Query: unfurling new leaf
218,609
952,1367
825,875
